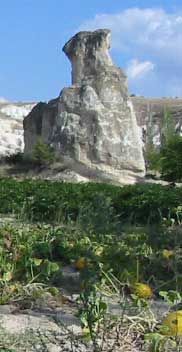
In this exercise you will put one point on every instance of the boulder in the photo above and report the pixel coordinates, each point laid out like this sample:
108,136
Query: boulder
92,124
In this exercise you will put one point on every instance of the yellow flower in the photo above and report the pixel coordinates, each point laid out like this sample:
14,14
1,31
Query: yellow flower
81,263
172,324
99,250
167,253
142,290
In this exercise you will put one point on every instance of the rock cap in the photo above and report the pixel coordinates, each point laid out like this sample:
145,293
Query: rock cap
88,52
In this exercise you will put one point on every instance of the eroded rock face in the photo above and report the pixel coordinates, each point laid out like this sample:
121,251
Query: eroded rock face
39,123
92,123
149,113
88,53
11,126
150,116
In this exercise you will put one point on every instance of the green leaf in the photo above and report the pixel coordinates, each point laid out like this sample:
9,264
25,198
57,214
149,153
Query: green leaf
37,261
7,276
155,339
103,306
53,290
54,267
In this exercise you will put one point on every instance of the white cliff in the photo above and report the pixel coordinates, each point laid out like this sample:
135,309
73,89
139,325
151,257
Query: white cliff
11,126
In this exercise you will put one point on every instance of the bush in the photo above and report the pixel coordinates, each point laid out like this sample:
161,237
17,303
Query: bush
167,127
168,161
171,160
147,203
14,158
153,154
47,200
152,158
43,154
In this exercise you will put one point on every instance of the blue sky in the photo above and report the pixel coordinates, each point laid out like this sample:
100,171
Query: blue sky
146,42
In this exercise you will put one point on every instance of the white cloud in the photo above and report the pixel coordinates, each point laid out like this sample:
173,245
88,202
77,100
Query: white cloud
138,69
140,27
154,37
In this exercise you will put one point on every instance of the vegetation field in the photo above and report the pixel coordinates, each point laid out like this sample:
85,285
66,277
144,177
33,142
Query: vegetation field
54,201
123,241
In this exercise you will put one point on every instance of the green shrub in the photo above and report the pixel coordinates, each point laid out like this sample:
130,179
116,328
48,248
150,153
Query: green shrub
43,154
14,158
153,154
152,157
147,203
171,160
167,127
168,161
43,200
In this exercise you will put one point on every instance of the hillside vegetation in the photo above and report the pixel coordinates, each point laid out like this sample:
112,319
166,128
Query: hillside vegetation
85,226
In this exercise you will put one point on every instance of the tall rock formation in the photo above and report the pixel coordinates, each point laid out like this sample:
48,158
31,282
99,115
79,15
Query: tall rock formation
92,124
149,113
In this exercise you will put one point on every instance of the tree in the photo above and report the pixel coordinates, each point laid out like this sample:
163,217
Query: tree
170,162
43,154
167,127
156,157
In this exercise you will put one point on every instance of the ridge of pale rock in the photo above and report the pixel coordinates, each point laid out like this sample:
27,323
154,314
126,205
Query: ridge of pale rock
11,126
92,124
150,113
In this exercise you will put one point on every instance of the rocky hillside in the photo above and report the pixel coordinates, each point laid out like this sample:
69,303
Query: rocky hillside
149,113
11,126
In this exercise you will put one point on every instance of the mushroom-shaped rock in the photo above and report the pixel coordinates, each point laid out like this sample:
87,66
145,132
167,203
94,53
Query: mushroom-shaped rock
95,126
88,52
